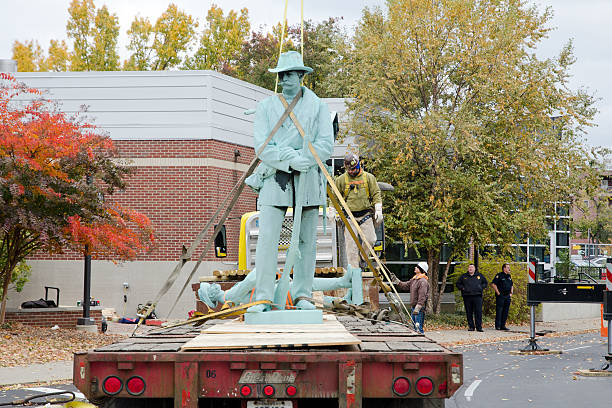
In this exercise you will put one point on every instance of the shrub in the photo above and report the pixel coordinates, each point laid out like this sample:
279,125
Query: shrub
489,267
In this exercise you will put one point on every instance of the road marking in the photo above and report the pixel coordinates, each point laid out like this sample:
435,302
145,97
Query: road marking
46,390
470,391
577,348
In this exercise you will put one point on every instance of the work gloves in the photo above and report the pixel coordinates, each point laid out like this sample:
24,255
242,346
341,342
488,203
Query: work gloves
416,309
378,215
332,214
394,279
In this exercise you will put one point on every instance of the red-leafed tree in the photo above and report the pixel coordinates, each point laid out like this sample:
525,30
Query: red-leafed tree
56,175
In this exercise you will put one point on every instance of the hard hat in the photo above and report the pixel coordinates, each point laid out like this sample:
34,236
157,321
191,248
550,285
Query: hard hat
351,160
423,266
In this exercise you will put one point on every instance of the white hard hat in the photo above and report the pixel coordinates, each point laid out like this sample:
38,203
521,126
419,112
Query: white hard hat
423,266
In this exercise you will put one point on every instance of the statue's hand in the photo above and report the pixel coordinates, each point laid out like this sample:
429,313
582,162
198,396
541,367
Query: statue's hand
300,164
288,153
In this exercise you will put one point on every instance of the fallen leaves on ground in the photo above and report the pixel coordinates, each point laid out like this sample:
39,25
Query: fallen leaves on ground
23,345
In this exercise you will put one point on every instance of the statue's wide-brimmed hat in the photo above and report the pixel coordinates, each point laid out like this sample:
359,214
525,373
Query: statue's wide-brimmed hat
290,61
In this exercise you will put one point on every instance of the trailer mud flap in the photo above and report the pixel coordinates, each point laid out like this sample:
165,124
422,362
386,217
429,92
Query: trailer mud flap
349,385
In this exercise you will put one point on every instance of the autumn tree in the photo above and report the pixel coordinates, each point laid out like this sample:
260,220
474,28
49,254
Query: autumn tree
161,46
57,176
477,134
94,34
30,56
221,40
256,56
59,57
326,45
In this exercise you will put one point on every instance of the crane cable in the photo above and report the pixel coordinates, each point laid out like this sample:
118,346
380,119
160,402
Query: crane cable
284,26
280,49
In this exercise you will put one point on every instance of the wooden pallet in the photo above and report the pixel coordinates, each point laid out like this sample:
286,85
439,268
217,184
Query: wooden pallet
239,274
237,335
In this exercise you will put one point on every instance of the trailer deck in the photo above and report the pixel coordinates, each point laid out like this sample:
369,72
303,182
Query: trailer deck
392,362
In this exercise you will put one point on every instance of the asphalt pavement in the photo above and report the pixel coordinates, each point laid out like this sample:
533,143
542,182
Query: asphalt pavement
496,377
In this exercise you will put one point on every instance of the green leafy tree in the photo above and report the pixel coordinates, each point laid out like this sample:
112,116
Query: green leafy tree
476,133
221,40
94,34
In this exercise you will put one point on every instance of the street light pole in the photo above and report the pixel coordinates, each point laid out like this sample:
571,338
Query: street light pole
86,320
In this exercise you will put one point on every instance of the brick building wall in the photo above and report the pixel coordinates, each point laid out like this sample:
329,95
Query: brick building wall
179,186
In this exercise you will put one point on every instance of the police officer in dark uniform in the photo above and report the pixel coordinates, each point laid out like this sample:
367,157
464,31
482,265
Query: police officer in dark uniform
471,284
503,287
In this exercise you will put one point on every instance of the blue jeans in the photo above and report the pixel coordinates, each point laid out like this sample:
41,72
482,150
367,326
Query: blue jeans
419,319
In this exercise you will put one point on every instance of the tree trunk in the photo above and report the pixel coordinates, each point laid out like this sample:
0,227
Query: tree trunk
5,285
443,280
433,257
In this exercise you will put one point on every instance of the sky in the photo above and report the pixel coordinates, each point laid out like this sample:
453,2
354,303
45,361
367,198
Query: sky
587,22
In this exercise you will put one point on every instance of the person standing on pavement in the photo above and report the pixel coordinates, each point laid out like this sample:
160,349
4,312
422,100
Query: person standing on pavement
362,195
504,288
418,286
471,284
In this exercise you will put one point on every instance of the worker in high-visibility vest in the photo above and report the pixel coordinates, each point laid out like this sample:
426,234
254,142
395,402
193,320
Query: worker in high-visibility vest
362,195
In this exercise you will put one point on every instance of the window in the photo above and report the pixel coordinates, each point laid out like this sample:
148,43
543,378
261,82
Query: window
562,239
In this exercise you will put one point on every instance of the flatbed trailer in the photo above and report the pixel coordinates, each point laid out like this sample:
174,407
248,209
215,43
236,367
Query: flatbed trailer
394,366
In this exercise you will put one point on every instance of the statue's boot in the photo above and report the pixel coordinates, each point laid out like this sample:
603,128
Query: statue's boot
304,304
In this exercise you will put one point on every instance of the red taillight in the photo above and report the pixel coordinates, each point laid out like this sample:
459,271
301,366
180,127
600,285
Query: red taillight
135,385
291,390
245,390
401,386
268,390
442,388
112,385
424,386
